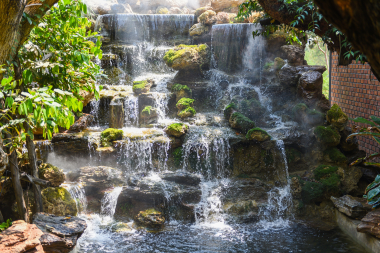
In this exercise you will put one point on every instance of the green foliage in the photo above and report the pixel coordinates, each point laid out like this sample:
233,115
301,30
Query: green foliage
109,135
314,56
56,65
5,225
335,155
327,135
335,113
323,170
178,154
146,110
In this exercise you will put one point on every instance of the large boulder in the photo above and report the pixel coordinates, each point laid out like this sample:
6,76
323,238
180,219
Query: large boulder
294,54
370,224
181,91
188,58
142,86
199,29
350,206
82,123
202,10
306,117
148,115
58,201
348,145
290,75
21,237
328,136
52,174
109,135
60,234
310,87
257,135
207,18
182,177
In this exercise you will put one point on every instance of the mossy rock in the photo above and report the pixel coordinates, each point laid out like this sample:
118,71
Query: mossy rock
252,108
51,173
184,103
176,129
142,86
333,155
181,91
278,63
162,10
240,122
328,136
109,135
188,57
178,156
303,115
208,17
148,112
229,110
258,135
58,201
150,218
325,184
336,117
188,112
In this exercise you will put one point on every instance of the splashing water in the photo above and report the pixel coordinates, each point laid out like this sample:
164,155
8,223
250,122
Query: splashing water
78,193
109,202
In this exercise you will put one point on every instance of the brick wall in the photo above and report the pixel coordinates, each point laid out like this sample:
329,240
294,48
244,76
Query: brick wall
357,91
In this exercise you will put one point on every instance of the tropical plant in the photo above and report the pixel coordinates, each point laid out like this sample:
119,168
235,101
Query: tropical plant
5,225
373,130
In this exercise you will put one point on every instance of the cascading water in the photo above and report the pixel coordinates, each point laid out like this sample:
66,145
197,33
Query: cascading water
109,202
79,195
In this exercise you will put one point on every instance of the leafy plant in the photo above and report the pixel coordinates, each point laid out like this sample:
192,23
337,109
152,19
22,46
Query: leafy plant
5,225
373,130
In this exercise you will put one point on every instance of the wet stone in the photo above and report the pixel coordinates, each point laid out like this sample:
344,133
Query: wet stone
350,206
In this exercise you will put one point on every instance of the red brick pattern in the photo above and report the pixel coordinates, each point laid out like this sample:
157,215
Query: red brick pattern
357,91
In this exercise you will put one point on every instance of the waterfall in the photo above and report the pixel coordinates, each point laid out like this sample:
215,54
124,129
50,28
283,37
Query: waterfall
276,213
109,202
131,110
78,193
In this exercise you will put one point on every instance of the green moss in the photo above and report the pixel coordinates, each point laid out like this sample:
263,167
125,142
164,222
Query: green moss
256,129
177,127
268,65
146,110
139,85
186,111
243,123
299,108
263,134
185,102
58,201
178,156
228,110
162,11
327,135
109,135
179,87
324,170
178,51
336,113
335,155
150,212
248,104
278,63
312,191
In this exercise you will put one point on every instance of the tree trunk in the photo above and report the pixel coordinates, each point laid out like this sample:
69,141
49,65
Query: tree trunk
33,165
21,207
359,21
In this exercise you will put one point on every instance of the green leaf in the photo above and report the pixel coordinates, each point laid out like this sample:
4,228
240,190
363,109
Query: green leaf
373,193
375,119
363,120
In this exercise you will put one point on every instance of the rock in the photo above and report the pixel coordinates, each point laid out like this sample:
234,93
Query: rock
181,91
121,9
109,135
73,143
150,218
148,115
328,136
182,177
226,5
117,115
223,18
175,10
58,201
96,179
350,144
289,75
162,10
87,97
278,63
240,122
258,135
184,103
60,233
306,117
52,174
229,110
333,155
199,29
176,129
188,112
295,187
252,108
294,54
188,58
336,117
370,224
202,10
82,123
21,237
310,87
350,206
142,86
350,178
207,18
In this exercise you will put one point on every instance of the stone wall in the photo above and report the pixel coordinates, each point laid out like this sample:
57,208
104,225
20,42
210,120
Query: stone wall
357,91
